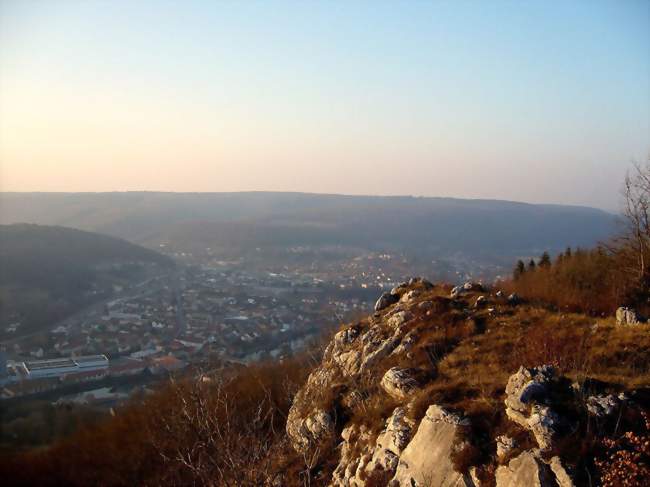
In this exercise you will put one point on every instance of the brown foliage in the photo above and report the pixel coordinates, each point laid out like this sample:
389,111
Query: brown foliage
588,281
214,430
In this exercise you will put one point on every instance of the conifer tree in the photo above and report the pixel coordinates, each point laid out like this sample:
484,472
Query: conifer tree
520,268
545,260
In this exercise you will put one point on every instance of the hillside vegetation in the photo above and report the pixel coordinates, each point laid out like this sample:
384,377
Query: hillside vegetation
229,428
48,272
598,280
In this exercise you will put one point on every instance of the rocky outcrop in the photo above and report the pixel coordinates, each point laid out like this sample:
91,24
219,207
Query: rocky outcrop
427,458
314,432
385,300
527,392
339,413
527,470
530,469
399,383
626,316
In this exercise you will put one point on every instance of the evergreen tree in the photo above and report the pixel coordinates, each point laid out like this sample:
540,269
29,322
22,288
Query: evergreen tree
531,265
520,268
545,260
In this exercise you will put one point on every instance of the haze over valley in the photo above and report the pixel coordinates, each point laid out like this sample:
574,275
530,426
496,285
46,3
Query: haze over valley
325,243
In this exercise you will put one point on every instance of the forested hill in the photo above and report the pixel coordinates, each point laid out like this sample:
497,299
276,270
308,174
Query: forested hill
442,226
48,272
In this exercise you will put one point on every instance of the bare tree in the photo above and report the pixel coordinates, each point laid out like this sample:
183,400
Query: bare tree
211,440
637,216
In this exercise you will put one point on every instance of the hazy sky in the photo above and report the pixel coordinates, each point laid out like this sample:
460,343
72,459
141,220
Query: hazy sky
536,101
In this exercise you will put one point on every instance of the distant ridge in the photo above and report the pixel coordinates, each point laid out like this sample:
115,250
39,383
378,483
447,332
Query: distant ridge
250,219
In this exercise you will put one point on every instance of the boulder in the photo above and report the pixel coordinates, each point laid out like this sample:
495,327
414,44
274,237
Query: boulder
427,458
313,433
626,316
385,300
499,294
525,470
527,392
398,383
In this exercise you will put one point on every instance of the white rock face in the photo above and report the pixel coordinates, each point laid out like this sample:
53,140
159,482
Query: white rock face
526,393
381,456
626,316
526,470
426,461
398,383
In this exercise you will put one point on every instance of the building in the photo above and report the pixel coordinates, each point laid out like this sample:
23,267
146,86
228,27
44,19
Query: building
38,369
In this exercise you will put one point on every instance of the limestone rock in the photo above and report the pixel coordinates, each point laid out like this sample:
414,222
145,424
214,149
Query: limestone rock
543,422
525,470
385,300
347,336
399,289
399,318
427,458
626,316
527,392
390,443
505,445
398,383
525,387
561,476
313,432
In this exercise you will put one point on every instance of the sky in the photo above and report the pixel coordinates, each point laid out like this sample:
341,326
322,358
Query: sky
537,101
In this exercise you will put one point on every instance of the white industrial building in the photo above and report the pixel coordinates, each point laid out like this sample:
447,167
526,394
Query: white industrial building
38,369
